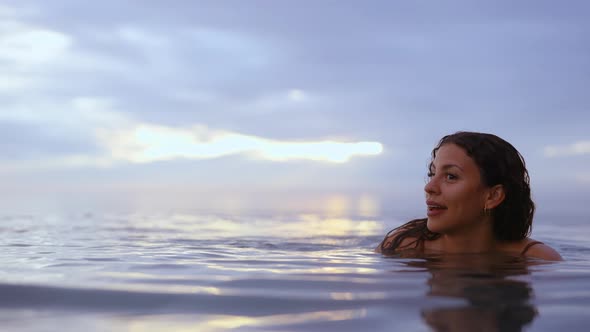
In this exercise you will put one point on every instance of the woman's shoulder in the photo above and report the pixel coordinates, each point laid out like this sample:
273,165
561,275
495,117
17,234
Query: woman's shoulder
529,247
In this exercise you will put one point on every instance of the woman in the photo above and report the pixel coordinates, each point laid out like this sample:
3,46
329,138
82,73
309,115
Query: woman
478,200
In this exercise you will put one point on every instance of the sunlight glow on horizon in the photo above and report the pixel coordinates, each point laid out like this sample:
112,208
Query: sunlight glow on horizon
148,143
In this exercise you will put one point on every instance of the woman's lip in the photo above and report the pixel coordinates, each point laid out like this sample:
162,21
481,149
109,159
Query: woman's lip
435,212
430,203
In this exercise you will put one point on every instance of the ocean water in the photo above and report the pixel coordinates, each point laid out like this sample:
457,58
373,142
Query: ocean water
274,272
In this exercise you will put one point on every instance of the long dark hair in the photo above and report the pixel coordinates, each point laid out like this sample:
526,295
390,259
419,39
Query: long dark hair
499,163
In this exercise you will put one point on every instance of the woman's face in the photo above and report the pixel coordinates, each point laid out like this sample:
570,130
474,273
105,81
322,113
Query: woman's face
455,195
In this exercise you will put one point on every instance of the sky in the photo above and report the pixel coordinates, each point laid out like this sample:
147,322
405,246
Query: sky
329,106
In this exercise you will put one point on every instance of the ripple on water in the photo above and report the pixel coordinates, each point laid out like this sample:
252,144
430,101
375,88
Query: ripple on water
147,275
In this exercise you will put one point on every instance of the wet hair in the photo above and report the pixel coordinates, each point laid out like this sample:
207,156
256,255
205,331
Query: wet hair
499,163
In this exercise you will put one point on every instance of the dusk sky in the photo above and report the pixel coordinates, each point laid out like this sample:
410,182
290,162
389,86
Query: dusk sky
329,106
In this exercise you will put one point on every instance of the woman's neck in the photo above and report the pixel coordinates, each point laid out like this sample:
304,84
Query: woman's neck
477,239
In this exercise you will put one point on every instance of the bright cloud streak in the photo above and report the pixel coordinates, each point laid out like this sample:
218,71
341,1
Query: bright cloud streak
148,143
574,149
24,49
27,45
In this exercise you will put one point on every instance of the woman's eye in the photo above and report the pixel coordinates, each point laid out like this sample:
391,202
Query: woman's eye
430,174
451,176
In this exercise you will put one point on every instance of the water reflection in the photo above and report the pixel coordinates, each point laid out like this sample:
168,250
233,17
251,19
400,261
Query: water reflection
207,227
494,299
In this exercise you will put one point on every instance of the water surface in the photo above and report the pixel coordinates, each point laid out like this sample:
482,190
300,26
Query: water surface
215,272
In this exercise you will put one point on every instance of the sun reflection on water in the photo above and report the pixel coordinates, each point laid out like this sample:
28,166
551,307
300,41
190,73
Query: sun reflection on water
214,323
295,226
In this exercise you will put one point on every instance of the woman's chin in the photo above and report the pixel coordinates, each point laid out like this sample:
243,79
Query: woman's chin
433,225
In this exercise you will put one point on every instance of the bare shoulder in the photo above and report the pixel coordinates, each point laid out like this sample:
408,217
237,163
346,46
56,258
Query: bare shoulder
406,242
536,249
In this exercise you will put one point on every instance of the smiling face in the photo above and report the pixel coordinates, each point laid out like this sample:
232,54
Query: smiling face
455,194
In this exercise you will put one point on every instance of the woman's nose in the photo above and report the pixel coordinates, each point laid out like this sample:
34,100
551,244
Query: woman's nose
431,186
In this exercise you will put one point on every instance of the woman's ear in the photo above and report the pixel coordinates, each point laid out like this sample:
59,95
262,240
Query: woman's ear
495,196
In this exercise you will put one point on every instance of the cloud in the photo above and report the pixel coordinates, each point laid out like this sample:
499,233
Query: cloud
24,51
210,53
148,143
77,115
37,59
575,149
43,133
294,101
111,138
23,45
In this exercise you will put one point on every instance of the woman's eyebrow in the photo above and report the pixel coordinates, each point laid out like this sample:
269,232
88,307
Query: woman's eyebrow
447,166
